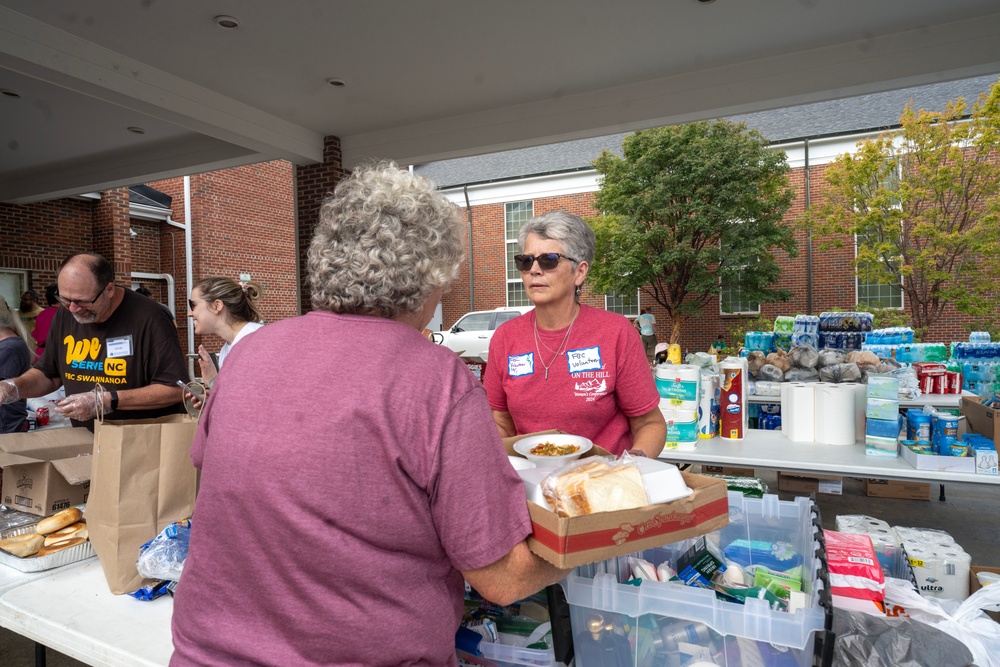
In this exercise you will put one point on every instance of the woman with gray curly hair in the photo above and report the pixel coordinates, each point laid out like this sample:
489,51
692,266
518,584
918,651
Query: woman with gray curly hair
566,365
384,480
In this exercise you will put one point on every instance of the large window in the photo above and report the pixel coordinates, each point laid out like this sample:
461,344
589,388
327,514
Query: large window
872,292
731,299
627,304
515,213
14,283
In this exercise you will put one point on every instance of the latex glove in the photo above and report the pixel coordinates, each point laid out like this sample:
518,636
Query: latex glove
208,369
82,407
8,392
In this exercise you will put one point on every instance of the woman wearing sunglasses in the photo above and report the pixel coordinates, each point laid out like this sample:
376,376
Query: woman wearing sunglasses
388,483
565,365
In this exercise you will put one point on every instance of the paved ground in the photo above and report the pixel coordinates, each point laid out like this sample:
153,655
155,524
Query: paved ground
971,514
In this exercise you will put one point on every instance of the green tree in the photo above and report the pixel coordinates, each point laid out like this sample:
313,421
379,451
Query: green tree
688,209
924,203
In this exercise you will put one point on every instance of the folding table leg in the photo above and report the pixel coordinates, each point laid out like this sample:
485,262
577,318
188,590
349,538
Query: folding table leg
39,655
941,497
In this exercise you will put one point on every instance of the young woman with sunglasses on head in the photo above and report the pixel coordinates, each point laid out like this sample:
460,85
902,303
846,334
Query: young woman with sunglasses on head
565,365
226,308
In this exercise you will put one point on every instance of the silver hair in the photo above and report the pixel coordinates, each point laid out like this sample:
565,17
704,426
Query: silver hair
385,240
575,235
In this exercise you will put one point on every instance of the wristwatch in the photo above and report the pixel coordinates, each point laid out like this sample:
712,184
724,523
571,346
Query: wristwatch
114,400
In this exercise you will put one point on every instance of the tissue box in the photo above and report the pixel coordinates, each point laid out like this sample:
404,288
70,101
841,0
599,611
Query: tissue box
883,428
876,446
882,408
883,386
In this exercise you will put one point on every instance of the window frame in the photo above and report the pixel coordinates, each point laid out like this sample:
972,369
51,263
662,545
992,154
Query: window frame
514,293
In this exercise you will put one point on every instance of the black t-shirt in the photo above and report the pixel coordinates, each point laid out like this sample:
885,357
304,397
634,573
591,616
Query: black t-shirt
136,347
15,359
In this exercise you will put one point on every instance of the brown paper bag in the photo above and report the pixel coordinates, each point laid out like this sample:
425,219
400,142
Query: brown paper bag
142,480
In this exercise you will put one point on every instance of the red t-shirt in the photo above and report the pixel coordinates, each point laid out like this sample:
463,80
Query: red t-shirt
346,483
601,380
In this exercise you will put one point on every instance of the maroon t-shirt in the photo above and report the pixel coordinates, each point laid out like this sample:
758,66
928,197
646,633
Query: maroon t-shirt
346,482
601,379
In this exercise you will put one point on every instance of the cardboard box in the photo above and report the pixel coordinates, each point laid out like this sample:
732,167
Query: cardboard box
980,418
936,462
568,542
727,470
975,586
831,484
46,471
894,488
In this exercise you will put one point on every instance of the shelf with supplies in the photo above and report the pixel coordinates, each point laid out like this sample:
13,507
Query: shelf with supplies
773,451
933,400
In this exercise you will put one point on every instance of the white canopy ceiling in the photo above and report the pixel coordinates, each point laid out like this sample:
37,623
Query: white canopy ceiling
428,80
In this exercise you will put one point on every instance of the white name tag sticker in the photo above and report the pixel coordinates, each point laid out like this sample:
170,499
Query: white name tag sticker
521,364
120,347
584,359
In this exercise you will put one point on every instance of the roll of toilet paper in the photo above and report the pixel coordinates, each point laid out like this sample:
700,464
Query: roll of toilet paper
786,407
860,403
941,572
678,385
835,413
802,400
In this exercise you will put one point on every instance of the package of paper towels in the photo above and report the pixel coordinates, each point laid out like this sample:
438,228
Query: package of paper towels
835,411
733,415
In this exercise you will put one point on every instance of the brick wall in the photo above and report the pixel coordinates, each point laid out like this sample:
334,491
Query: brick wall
312,185
37,237
833,279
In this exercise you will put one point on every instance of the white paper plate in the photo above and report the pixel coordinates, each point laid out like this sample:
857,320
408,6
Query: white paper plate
524,445
520,464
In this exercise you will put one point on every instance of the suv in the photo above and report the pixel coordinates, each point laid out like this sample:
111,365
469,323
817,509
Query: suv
470,337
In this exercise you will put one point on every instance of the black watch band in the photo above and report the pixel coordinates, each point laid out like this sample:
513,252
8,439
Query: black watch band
114,400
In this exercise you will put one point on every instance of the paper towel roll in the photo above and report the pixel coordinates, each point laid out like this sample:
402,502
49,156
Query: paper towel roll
802,400
786,407
835,411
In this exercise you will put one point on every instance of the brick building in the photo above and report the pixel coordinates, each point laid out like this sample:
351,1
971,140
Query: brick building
498,191
243,223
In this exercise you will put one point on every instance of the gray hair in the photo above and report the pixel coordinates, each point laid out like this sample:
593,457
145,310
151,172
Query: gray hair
385,240
575,235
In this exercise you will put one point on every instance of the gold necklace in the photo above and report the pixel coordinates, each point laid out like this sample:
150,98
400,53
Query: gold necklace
562,345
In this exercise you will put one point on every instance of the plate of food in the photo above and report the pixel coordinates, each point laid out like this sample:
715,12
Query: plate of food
552,449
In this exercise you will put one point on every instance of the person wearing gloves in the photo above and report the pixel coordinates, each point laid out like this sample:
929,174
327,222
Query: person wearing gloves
105,335
393,485
226,308
565,365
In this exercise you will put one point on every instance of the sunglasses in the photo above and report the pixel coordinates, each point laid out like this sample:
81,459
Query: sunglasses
546,261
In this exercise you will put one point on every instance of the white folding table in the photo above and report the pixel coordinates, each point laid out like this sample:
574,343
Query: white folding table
72,610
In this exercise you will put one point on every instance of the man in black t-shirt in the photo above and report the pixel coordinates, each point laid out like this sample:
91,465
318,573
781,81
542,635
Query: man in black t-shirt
110,336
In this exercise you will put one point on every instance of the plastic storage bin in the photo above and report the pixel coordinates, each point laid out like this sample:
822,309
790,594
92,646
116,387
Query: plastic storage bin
672,624
502,655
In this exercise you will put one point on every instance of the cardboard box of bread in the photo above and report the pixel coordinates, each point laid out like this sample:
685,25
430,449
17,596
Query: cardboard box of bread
597,508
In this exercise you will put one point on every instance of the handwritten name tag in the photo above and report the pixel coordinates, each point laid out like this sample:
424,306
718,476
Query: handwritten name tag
520,364
584,359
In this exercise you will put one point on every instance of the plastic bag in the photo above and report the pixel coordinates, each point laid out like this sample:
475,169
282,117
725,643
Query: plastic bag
754,361
830,358
864,640
780,360
964,621
801,375
163,556
595,484
769,373
863,357
845,372
803,357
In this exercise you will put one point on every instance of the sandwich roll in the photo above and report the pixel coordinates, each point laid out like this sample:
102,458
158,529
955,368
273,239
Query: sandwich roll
24,545
76,530
59,521
59,546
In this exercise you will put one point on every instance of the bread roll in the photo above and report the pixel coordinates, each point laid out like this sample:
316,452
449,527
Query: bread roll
59,521
23,546
59,546
76,530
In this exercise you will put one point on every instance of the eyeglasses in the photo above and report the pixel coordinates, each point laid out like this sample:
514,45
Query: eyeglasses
80,303
546,261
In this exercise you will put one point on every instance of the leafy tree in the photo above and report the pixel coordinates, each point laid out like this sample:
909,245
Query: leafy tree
925,204
690,208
